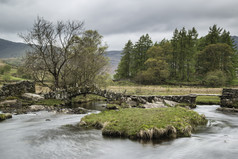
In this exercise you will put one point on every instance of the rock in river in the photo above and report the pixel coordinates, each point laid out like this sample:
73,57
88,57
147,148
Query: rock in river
32,96
5,116
11,103
36,108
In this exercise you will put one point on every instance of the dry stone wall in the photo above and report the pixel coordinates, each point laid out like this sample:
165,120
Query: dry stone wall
17,89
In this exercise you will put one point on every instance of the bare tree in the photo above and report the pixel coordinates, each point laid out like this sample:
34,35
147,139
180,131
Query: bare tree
51,49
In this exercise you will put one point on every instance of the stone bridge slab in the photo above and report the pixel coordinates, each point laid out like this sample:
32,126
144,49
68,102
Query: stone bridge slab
68,95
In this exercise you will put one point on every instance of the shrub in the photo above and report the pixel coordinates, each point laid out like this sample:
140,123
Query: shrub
5,69
23,73
104,80
6,77
215,79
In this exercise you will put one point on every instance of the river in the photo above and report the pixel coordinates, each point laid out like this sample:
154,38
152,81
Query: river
31,136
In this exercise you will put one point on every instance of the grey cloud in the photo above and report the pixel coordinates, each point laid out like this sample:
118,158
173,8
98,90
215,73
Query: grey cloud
114,18
4,1
162,16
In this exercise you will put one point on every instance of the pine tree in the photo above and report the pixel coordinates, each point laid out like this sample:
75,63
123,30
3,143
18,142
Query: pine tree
217,57
225,37
124,68
173,62
191,52
139,55
182,61
213,35
218,53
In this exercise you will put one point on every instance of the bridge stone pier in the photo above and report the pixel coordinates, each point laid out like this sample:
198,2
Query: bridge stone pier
229,98
69,94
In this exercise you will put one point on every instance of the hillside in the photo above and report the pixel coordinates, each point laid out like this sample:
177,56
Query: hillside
9,49
235,38
115,57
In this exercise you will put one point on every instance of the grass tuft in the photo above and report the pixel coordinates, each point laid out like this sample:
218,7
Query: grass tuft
209,100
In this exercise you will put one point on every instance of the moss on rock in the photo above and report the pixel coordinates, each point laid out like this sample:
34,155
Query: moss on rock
5,116
88,98
112,106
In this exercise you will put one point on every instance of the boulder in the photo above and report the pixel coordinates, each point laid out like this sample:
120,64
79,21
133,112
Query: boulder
156,99
9,103
65,111
227,109
154,105
130,102
170,103
5,116
34,108
32,96
141,100
8,115
112,106
78,110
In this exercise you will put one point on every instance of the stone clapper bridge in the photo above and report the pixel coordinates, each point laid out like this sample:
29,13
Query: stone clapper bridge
67,95
229,97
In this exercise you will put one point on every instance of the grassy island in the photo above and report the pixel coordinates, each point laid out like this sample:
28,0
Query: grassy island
136,123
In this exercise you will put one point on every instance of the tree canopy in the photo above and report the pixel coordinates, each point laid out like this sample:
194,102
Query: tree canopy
62,54
184,58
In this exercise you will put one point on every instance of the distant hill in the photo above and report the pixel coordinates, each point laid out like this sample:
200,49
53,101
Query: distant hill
9,49
115,57
235,38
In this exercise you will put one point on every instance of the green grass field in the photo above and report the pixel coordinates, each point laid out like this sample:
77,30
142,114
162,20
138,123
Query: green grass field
9,76
163,90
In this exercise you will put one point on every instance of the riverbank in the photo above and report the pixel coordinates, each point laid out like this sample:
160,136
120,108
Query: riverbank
208,100
22,105
137,123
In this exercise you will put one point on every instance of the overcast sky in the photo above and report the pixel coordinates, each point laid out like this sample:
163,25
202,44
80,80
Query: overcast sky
121,20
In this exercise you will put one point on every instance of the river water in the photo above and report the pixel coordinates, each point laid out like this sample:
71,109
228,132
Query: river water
31,136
